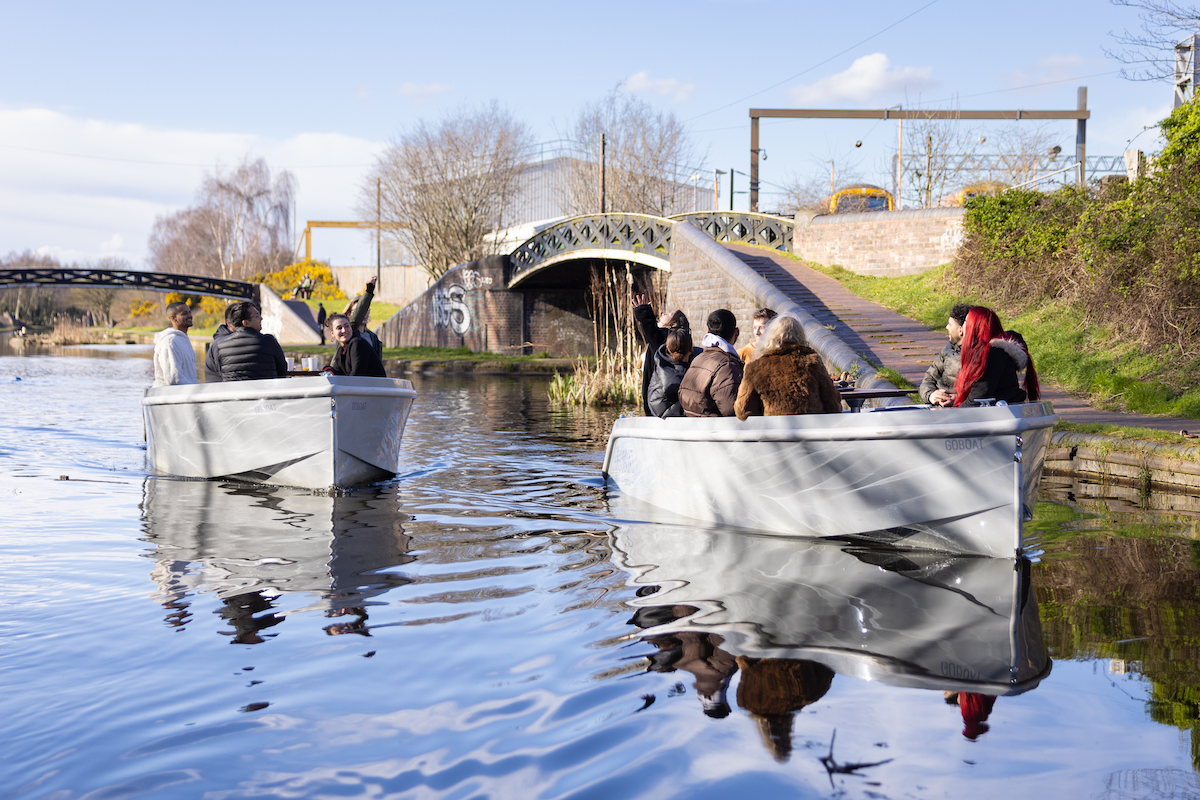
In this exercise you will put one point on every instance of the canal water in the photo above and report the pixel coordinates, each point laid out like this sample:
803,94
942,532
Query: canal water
490,625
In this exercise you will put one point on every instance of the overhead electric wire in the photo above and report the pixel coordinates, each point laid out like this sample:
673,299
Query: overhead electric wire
814,66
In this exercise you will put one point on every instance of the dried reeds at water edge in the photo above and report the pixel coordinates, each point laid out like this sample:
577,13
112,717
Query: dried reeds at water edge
609,381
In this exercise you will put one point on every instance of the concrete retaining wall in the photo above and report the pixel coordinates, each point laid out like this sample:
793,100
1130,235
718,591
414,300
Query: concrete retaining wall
882,243
1142,464
282,322
397,284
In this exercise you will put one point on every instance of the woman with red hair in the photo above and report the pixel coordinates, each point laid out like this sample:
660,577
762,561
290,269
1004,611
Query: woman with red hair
990,362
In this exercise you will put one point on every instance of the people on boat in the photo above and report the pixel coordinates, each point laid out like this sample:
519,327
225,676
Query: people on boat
321,316
354,355
654,334
990,363
174,358
248,354
759,321
359,312
212,374
786,376
710,386
937,387
670,363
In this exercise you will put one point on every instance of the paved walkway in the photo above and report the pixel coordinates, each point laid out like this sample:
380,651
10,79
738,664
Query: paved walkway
903,344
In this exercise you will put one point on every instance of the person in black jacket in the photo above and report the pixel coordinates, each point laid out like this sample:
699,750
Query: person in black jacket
248,354
212,374
355,355
654,333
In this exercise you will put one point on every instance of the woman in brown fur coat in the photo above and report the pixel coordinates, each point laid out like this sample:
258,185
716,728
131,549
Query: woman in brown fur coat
786,376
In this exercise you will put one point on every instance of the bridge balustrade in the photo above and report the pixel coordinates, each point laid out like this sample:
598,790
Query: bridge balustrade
645,238
129,279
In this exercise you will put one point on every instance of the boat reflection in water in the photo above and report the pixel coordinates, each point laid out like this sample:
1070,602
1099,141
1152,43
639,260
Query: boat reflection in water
249,544
789,614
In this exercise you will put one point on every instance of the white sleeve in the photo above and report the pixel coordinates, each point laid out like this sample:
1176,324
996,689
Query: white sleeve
183,361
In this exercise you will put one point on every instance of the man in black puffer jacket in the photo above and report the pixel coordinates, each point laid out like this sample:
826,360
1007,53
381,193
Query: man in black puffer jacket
248,354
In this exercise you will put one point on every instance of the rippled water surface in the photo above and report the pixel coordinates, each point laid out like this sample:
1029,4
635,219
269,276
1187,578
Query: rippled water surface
484,626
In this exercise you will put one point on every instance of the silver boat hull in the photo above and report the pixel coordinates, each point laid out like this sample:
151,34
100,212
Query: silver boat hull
317,432
959,480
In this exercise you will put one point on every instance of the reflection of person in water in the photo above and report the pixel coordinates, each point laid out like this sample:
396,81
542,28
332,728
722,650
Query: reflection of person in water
240,610
975,710
697,653
357,625
773,689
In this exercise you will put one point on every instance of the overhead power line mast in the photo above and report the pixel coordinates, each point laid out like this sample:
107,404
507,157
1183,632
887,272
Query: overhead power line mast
1080,114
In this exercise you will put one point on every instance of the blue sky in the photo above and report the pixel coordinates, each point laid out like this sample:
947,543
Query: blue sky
111,113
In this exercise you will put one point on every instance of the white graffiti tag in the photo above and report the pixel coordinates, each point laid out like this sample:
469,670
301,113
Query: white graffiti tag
449,310
474,280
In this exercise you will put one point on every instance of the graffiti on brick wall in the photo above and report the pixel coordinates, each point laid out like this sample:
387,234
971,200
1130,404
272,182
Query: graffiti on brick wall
450,309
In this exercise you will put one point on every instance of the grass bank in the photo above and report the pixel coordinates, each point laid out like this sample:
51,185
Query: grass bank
1084,359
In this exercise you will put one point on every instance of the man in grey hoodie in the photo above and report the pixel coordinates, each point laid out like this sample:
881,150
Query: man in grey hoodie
174,358
937,387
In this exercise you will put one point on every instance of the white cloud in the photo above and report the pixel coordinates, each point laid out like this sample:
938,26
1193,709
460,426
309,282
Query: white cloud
1051,68
672,88
79,189
868,78
422,92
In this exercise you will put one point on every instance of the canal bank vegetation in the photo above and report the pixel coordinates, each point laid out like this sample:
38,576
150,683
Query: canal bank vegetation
1103,282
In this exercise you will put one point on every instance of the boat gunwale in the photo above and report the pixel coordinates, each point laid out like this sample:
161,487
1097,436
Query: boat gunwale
280,390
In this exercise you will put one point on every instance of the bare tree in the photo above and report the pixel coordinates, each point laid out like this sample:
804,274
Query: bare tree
182,243
646,153
1149,54
812,192
449,186
1019,149
940,153
241,225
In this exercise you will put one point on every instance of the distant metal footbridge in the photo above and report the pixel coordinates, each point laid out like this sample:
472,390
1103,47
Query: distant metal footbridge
129,279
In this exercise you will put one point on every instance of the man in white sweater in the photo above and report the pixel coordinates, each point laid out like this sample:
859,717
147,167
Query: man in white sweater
174,358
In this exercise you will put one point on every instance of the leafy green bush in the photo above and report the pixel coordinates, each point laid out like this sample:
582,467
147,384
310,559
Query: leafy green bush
1127,256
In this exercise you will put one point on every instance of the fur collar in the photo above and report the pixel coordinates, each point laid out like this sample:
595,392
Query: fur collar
1013,350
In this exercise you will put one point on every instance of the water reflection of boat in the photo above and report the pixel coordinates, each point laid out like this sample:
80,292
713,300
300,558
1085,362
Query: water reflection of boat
316,432
959,480
249,544
915,619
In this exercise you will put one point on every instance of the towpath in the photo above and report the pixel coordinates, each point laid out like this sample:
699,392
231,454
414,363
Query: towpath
905,345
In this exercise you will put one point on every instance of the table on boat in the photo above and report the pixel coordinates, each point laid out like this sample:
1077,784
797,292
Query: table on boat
856,397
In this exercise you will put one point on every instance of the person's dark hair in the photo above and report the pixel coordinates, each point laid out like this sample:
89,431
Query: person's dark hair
229,311
765,314
333,318
175,308
239,313
959,313
678,320
679,343
722,323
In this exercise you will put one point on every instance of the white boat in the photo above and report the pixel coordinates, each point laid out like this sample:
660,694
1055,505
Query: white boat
961,480
318,432
918,619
